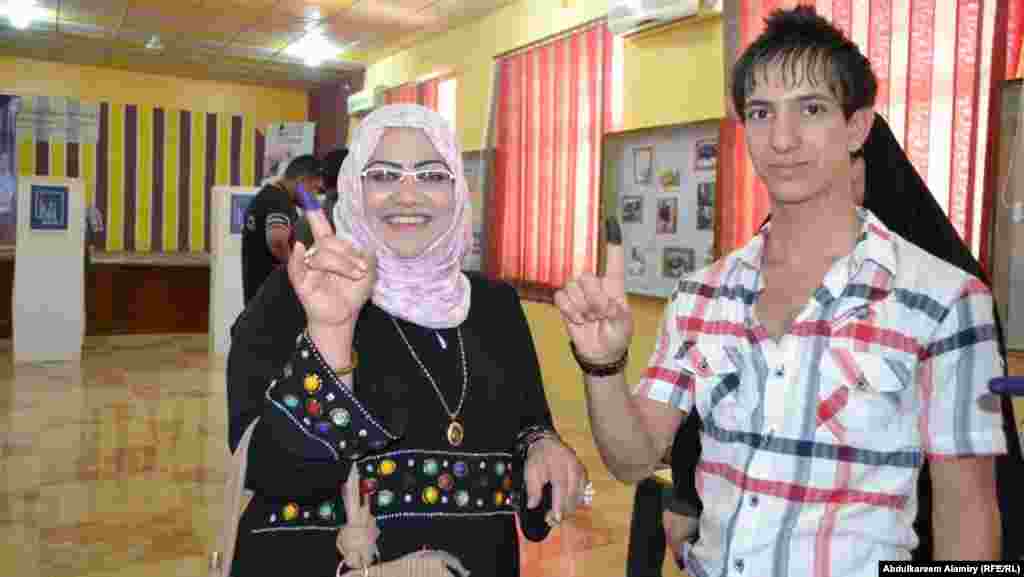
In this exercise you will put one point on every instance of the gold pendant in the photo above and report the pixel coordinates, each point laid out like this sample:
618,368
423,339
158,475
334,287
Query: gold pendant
455,433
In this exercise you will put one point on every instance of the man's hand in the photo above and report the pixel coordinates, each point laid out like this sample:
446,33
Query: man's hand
594,309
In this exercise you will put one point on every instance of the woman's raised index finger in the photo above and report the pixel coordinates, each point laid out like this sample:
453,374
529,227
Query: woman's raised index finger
318,223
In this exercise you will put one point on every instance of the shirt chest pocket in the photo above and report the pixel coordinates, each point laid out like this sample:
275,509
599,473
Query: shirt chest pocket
715,374
863,393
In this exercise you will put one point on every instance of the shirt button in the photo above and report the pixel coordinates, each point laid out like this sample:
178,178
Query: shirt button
738,565
754,501
780,372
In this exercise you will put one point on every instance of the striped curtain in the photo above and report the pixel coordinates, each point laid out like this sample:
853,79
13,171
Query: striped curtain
404,93
150,171
939,65
553,107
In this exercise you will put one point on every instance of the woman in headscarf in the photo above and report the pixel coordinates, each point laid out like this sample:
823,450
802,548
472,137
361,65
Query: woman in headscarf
374,354
887,184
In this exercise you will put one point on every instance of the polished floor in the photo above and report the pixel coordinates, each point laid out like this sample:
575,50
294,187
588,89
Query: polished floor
115,466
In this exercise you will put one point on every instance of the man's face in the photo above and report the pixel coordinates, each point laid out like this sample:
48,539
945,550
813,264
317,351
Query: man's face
797,135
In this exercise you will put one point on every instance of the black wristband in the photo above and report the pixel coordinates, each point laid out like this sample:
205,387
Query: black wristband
599,370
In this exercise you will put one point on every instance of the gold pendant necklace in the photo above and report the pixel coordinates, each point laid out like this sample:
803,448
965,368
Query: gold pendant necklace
456,433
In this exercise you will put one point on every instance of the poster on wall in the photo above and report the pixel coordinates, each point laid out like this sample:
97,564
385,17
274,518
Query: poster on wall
49,207
474,164
285,141
239,207
661,182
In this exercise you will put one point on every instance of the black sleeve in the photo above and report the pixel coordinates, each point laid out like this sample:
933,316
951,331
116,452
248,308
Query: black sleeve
262,339
535,413
278,210
275,370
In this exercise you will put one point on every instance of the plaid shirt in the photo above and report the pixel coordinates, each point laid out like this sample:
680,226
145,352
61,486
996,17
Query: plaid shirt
812,444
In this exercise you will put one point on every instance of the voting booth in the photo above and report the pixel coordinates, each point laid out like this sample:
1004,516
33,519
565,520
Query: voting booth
227,218
49,270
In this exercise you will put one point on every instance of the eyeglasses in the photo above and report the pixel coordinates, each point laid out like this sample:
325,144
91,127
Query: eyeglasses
388,178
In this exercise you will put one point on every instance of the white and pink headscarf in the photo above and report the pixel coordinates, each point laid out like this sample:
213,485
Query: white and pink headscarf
430,289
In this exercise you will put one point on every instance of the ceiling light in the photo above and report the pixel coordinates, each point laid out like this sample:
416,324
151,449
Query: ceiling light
21,13
313,48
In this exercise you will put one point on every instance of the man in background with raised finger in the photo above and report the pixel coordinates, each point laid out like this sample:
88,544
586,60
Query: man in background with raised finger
828,357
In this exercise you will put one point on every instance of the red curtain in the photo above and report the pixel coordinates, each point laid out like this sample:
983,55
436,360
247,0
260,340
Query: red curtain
402,94
552,108
428,92
939,65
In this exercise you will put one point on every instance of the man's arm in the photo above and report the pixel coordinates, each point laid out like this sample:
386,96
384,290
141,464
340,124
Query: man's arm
632,432
962,427
965,512
278,241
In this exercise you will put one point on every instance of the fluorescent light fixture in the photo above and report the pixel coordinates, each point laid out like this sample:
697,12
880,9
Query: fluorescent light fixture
313,48
21,13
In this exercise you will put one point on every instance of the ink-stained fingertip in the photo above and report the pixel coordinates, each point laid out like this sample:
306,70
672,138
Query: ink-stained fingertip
613,230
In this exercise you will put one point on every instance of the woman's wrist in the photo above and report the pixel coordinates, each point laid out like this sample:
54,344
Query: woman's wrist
334,342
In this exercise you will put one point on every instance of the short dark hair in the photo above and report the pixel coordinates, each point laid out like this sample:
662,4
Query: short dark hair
332,165
302,166
804,44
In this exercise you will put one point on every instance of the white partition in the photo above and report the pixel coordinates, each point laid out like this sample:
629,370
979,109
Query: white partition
227,217
49,270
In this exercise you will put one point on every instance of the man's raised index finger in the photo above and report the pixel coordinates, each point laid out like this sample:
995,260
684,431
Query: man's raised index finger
615,260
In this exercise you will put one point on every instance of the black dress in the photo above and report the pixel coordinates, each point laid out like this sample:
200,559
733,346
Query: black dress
424,492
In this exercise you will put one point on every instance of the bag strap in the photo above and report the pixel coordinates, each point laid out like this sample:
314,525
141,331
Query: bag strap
220,564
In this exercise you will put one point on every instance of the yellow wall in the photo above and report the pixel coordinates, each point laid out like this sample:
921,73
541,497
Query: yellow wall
262,105
671,75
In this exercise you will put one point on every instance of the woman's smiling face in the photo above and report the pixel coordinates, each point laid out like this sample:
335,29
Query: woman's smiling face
408,190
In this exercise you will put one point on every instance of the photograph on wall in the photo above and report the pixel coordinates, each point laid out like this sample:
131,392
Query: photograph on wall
285,141
49,207
669,179
706,154
637,265
705,216
239,208
633,209
677,261
643,164
706,193
668,215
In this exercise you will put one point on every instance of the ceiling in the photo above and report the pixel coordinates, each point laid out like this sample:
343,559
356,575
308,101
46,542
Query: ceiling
232,40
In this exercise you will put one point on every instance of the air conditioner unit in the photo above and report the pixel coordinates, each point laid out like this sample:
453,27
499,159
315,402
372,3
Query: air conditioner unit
364,101
627,17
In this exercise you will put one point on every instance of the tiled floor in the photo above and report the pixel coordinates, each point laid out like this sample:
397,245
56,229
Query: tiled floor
115,467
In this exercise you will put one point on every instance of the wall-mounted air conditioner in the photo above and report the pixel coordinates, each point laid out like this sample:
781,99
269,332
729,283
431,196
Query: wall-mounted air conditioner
627,17
362,102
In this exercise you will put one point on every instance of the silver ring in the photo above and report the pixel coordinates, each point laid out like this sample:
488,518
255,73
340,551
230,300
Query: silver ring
587,495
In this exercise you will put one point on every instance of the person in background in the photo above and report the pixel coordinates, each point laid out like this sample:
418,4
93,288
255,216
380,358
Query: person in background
267,236
332,166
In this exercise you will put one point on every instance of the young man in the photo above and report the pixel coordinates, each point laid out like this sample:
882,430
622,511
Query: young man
267,236
828,358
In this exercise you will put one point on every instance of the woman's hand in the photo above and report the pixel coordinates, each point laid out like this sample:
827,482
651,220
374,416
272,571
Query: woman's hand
333,280
550,460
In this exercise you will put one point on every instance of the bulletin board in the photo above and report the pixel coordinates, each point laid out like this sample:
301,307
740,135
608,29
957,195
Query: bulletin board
660,183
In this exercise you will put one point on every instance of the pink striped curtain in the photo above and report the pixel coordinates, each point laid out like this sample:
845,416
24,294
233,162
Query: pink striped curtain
427,91
403,93
939,65
552,110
